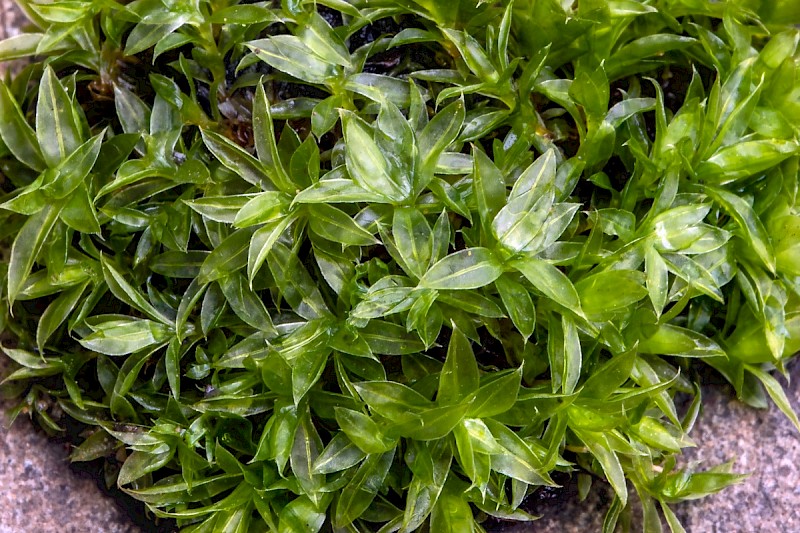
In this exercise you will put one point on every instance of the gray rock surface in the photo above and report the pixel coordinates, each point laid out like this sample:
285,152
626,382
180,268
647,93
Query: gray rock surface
764,444
39,492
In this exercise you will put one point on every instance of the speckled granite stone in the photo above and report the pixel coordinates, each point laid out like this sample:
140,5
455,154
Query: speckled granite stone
765,444
39,493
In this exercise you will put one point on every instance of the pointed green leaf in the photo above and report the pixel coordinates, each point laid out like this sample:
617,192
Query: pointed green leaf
27,246
16,133
550,281
56,126
466,269
335,225
459,376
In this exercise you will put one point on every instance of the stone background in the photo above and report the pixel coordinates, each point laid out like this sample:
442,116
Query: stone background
40,492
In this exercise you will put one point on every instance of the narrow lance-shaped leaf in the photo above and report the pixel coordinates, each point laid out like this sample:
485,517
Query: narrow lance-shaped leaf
56,128
550,281
57,312
335,225
748,222
246,303
27,246
307,369
497,395
745,159
657,279
266,144
466,269
236,159
490,187
438,134
430,464
340,454
16,133
306,449
517,460
228,257
564,351
452,513
125,336
262,241
367,165
777,394
127,293
459,376
364,485
317,34
289,54
71,172
301,514
413,239
363,431
79,212
605,455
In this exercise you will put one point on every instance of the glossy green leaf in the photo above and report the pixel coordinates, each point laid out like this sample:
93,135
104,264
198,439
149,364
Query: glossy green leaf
565,355
745,159
748,222
599,446
392,400
340,454
518,459
335,225
305,451
27,247
610,376
57,312
549,281
116,336
262,242
368,166
245,302
467,269
363,431
127,293
236,159
459,376
56,125
266,144
452,513
290,55
497,395
16,133
675,340
490,187
365,484
438,134
610,291
413,239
